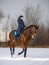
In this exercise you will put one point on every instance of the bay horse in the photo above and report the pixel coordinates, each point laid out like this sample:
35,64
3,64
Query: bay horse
29,33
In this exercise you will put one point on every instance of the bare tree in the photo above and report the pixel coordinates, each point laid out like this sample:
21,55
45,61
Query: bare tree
32,15
13,24
6,26
1,15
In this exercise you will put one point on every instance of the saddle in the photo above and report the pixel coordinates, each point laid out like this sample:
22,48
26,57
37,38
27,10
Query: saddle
18,32
17,35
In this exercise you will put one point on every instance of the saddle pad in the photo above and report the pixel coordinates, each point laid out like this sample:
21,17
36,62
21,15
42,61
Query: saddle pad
15,33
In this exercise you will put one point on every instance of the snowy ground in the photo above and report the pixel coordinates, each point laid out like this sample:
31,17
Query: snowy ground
31,52
35,56
28,62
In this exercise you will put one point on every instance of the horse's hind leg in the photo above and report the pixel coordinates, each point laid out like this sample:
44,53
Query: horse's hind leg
11,50
25,51
21,52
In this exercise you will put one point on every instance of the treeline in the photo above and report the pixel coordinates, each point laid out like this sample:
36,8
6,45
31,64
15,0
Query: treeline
42,39
32,16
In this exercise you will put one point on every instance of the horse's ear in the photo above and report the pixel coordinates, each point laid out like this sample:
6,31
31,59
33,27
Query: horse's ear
37,26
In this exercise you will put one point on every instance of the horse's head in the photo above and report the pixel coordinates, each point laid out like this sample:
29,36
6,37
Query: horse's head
33,31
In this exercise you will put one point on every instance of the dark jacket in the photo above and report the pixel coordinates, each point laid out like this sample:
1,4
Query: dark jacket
20,26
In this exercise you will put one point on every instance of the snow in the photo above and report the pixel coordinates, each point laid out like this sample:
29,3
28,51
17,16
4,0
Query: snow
35,56
28,62
31,52
24,59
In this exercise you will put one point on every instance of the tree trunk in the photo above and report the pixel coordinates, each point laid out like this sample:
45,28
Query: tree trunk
6,36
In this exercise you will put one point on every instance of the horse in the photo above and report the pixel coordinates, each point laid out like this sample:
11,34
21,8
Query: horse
28,33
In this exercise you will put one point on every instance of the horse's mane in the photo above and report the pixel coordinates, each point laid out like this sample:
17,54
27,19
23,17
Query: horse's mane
32,26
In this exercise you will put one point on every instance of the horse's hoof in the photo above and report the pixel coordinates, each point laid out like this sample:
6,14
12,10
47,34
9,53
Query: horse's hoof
24,56
11,55
18,53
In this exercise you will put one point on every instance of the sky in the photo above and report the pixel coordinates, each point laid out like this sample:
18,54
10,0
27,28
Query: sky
15,7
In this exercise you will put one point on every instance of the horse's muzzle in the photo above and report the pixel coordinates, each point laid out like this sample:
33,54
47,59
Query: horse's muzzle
33,37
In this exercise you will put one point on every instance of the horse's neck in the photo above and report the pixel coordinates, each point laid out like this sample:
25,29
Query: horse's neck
27,31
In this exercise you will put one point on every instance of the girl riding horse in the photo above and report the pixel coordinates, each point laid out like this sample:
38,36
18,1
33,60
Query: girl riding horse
20,28
27,34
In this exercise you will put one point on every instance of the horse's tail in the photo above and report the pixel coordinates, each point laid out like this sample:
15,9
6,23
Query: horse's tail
11,35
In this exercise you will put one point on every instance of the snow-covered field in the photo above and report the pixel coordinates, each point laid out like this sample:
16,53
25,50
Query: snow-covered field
24,62
35,56
31,52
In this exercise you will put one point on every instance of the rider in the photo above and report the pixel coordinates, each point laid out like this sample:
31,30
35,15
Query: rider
21,26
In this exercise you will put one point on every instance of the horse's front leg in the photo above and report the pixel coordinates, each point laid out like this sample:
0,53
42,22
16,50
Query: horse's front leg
11,49
25,51
21,52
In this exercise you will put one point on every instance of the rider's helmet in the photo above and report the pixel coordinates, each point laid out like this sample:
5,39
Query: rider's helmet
20,17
